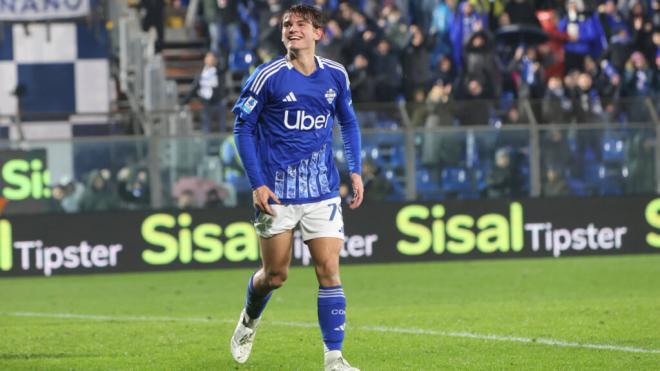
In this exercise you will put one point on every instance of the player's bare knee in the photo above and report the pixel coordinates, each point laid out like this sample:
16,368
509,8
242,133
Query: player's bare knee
276,278
327,271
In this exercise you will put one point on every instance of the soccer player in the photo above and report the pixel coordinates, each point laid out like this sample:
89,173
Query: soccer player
283,129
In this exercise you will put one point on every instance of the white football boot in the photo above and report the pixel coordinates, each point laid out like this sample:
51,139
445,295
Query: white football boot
334,361
243,337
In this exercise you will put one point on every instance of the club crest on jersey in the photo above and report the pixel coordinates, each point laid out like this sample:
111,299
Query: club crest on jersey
330,95
249,105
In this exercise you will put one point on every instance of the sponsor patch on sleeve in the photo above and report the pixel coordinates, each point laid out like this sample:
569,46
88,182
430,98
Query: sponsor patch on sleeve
249,105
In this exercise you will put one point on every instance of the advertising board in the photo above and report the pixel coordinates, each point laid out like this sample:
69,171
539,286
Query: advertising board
52,244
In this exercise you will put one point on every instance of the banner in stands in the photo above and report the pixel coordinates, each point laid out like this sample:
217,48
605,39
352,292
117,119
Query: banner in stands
391,232
24,181
38,10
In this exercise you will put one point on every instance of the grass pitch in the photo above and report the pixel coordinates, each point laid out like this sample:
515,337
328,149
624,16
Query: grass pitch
576,313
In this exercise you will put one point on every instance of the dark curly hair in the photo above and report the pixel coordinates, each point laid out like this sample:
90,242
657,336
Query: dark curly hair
308,13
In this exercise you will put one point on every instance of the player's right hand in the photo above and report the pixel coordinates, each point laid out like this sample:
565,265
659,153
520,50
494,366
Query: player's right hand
260,197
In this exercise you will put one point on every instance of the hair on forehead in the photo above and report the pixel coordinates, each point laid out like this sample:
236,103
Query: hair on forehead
307,12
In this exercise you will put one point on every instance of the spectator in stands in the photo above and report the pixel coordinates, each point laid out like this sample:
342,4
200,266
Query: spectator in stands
387,73
482,63
440,149
444,74
209,88
642,30
55,201
521,12
441,24
229,25
473,104
394,28
361,35
98,195
270,43
375,183
639,154
418,110
552,51
555,183
466,22
186,200
637,85
619,49
556,104
608,84
209,10
362,85
331,45
583,35
421,14
555,151
72,193
588,108
133,187
154,16
529,73
501,180
216,197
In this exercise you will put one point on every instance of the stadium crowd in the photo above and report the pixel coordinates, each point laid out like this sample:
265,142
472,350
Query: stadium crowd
577,60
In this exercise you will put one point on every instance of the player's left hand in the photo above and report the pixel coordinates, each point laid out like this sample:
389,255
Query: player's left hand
358,191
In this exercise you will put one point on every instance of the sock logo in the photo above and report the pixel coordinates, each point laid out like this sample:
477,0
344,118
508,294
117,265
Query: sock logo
6,256
338,312
340,327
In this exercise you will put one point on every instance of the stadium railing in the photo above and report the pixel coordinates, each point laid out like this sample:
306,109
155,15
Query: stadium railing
402,161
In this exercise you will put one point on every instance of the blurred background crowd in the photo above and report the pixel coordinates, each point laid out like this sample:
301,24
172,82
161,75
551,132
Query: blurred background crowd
471,63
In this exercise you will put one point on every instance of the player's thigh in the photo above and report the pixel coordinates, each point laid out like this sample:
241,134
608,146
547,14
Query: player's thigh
276,252
325,252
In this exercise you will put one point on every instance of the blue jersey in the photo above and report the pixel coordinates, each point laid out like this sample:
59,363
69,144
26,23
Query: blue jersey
283,129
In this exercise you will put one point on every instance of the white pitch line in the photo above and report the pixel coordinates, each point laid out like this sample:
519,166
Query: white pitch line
399,330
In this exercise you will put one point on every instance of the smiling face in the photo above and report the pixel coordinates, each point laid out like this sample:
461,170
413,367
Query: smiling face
298,32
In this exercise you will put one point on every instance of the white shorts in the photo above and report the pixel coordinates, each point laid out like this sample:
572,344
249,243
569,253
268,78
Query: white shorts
317,219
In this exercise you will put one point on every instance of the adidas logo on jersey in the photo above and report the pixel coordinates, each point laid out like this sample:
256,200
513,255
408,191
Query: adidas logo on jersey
290,98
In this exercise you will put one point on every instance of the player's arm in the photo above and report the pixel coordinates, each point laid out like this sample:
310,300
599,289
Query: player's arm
247,110
350,133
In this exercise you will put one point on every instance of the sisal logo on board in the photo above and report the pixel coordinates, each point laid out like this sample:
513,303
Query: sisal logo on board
432,229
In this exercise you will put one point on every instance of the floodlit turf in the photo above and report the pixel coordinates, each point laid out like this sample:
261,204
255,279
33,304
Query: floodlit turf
183,320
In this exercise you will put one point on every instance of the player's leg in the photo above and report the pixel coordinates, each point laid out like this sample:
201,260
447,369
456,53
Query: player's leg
322,228
331,299
276,257
275,236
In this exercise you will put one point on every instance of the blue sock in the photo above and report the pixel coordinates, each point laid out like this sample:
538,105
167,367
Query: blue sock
255,302
332,315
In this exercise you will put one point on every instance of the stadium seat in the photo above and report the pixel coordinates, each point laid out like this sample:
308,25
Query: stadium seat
612,148
427,189
456,182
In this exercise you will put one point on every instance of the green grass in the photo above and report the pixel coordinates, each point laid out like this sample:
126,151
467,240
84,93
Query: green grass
597,300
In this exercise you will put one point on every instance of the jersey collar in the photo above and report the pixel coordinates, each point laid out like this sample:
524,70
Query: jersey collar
318,61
